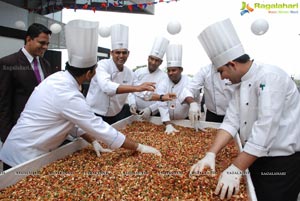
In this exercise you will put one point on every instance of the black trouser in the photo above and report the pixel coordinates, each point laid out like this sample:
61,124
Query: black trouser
202,103
276,178
125,112
210,116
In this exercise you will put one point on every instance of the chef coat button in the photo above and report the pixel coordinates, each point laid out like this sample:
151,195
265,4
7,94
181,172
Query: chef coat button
249,85
245,122
247,103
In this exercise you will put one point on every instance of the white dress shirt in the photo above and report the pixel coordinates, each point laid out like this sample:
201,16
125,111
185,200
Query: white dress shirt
102,95
53,109
30,59
266,109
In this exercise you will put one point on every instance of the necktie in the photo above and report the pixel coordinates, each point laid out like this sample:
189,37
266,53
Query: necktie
36,70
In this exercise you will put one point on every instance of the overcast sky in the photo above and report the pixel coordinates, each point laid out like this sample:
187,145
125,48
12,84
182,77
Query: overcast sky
279,46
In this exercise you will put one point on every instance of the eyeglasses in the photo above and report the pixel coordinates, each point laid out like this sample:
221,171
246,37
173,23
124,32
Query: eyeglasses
121,52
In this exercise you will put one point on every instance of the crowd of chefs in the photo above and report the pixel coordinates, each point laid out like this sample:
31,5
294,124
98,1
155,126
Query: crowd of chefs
257,101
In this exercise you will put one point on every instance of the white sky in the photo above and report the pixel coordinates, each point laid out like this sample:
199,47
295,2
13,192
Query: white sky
279,46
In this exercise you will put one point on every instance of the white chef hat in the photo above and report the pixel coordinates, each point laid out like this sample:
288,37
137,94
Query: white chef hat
119,37
82,43
159,47
174,55
221,43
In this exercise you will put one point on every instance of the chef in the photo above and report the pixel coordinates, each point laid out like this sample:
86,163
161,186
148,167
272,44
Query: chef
265,109
217,92
113,81
139,101
176,83
56,106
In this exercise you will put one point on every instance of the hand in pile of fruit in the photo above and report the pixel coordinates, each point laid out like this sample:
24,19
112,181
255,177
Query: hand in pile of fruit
128,175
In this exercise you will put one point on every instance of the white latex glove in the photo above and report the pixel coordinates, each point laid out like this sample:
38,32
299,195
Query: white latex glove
229,182
133,109
147,149
145,113
207,161
198,126
98,148
194,113
170,129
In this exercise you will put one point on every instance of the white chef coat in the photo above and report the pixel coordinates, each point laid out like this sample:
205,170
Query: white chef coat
266,109
181,109
53,109
102,95
143,75
217,92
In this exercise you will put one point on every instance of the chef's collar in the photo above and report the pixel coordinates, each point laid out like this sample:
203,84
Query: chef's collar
252,71
116,69
73,80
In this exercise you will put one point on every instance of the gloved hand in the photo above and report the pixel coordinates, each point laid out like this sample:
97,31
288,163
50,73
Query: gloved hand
194,113
229,182
133,109
198,127
98,148
207,161
145,113
170,129
147,149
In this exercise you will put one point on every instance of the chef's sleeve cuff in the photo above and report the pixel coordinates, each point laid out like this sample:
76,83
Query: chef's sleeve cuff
255,149
230,129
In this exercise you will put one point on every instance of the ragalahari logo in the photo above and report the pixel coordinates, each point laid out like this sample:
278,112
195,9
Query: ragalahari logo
245,8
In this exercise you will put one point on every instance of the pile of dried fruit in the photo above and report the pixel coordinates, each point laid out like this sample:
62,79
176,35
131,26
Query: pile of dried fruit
128,175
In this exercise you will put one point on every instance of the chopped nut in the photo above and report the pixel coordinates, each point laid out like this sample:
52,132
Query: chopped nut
128,175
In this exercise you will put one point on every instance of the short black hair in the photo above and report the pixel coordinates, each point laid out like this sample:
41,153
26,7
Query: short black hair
77,72
242,59
35,29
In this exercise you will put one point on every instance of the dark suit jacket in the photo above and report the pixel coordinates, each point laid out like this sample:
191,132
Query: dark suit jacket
17,81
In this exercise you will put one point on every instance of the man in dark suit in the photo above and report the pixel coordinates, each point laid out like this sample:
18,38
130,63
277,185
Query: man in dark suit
20,73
